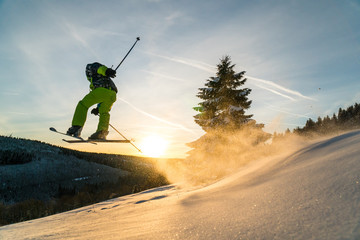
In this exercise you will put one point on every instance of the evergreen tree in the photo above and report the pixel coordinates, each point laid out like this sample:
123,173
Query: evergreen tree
231,135
347,119
287,132
310,126
224,102
342,116
327,120
335,119
356,110
319,123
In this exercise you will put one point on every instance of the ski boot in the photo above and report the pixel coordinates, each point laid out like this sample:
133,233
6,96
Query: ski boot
99,135
74,131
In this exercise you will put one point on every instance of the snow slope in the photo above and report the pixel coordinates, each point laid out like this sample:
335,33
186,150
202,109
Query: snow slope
312,194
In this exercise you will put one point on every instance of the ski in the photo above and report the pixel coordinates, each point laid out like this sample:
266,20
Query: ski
54,130
80,139
96,141
93,141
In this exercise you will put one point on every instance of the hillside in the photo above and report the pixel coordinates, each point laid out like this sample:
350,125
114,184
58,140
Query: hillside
38,179
313,193
49,170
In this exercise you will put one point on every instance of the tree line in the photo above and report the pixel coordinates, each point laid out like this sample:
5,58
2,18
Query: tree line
345,120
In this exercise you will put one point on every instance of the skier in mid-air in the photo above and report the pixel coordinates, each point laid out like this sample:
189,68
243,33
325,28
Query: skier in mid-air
103,92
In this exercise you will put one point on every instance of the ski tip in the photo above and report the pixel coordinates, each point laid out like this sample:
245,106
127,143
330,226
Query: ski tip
53,129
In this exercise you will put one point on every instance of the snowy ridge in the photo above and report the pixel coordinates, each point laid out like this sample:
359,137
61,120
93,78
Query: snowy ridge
313,193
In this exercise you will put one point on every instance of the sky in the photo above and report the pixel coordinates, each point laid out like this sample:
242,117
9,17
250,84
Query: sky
302,60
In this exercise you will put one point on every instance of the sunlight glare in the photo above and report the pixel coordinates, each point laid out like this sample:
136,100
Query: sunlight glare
154,146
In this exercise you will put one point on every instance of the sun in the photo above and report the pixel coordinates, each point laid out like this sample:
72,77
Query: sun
154,146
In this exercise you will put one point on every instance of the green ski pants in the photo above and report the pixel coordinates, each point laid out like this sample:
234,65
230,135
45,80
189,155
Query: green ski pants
99,95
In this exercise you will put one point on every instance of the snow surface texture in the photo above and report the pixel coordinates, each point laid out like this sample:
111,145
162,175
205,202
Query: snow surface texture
312,194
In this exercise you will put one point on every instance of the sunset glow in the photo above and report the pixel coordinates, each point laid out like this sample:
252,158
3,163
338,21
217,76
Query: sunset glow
154,146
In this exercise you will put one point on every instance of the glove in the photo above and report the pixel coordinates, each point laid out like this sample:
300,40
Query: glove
95,111
110,73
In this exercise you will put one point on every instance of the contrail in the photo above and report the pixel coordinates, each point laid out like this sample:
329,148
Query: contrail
193,63
165,76
294,114
276,92
211,69
156,118
279,87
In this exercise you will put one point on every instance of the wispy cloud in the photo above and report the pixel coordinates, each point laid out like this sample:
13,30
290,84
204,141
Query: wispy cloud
286,112
276,92
190,62
16,113
279,87
75,34
79,35
264,84
179,126
165,76
173,16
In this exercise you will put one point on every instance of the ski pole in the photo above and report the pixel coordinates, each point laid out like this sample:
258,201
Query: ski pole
137,39
125,138
95,111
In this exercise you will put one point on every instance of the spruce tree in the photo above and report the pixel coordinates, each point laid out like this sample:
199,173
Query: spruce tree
224,102
310,125
231,135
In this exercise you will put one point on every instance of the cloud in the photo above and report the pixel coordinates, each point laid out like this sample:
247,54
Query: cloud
190,62
79,36
157,118
286,112
173,16
75,34
276,92
271,86
165,76
16,113
277,86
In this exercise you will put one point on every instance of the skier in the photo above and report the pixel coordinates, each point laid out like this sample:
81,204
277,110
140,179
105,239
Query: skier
103,92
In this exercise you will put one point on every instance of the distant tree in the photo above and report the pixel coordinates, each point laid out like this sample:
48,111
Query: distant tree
327,120
224,102
346,119
327,125
334,119
357,110
310,125
287,131
342,115
319,123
